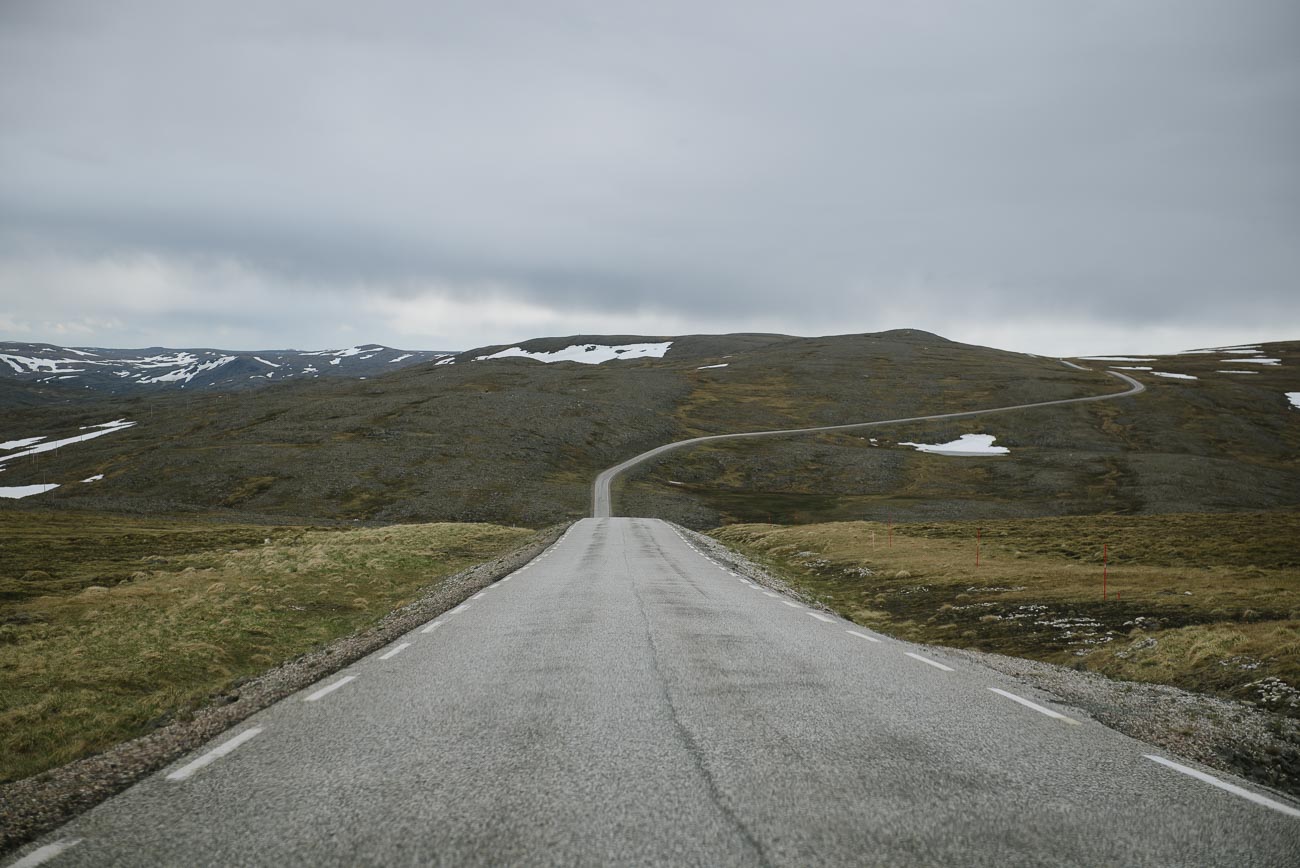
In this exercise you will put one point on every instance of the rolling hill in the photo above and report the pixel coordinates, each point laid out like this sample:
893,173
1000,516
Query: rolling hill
516,433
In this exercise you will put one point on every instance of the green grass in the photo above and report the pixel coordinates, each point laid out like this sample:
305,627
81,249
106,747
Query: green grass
134,623
1209,603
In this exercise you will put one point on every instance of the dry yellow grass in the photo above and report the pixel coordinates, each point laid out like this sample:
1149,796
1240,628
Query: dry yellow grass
84,669
1204,602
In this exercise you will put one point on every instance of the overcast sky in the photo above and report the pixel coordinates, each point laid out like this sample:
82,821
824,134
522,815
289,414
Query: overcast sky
1053,177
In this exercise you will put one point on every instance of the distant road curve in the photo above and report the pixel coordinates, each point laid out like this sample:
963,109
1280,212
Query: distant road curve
601,502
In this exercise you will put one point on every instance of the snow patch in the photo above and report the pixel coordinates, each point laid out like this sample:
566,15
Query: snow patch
1294,398
188,373
587,354
1131,368
1236,372
95,478
1115,359
265,362
16,491
399,358
1172,376
19,444
966,444
1252,361
106,428
706,367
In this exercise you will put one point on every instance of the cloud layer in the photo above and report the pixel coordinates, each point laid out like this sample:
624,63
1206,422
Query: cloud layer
1046,177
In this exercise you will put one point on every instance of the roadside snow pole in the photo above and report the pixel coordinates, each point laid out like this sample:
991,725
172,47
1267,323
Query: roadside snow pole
1104,558
977,547
890,520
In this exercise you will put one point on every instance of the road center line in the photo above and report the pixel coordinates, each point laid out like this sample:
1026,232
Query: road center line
330,688
820,617
213,755
927,660
770,594
41,855
1035,706
434,626
862,635
398,650
792,604
1224,785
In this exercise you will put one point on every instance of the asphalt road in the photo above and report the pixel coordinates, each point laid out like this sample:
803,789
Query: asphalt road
602,502
624,700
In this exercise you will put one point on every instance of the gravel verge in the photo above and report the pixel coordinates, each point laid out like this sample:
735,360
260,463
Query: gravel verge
1258,745
42,802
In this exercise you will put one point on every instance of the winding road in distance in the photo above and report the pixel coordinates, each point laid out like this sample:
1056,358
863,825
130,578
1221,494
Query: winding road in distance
602,503
627,698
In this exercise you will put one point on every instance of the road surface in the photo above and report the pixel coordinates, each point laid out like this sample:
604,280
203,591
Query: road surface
625,700
602,502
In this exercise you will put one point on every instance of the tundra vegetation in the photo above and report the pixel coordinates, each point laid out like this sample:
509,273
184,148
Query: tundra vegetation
1209,603
113,626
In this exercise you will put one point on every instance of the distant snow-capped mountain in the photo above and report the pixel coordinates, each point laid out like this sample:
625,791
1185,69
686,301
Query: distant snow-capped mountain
116,370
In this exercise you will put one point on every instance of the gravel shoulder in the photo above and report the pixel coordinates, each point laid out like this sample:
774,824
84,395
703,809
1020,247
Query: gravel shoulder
1260,746
37,804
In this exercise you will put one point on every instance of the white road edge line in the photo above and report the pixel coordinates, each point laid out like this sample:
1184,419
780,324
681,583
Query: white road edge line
1035,706
462,607
41,855
1224,785
862,635
790,603
398,650
330,688
434,626
820,617
771,594
927,660
480,595
213,755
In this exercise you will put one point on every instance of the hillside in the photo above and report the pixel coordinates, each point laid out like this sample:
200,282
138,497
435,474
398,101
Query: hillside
519,437
63,372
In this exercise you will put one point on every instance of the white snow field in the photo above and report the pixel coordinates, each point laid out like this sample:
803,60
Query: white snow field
1173,376
95,478
706,367
16,491
1236,372
1132,368
18,444
587,354
99,431
1294,398
1115,359
1252,361
966,444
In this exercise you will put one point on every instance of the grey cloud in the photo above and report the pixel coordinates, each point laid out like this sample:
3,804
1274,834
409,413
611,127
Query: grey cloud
732,161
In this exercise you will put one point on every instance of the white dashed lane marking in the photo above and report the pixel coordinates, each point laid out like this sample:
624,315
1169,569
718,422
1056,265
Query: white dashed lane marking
862,635
330,688
41,855
928,661
433,626
791,604
398,650
1224,785
820,617
213,755
1035,706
